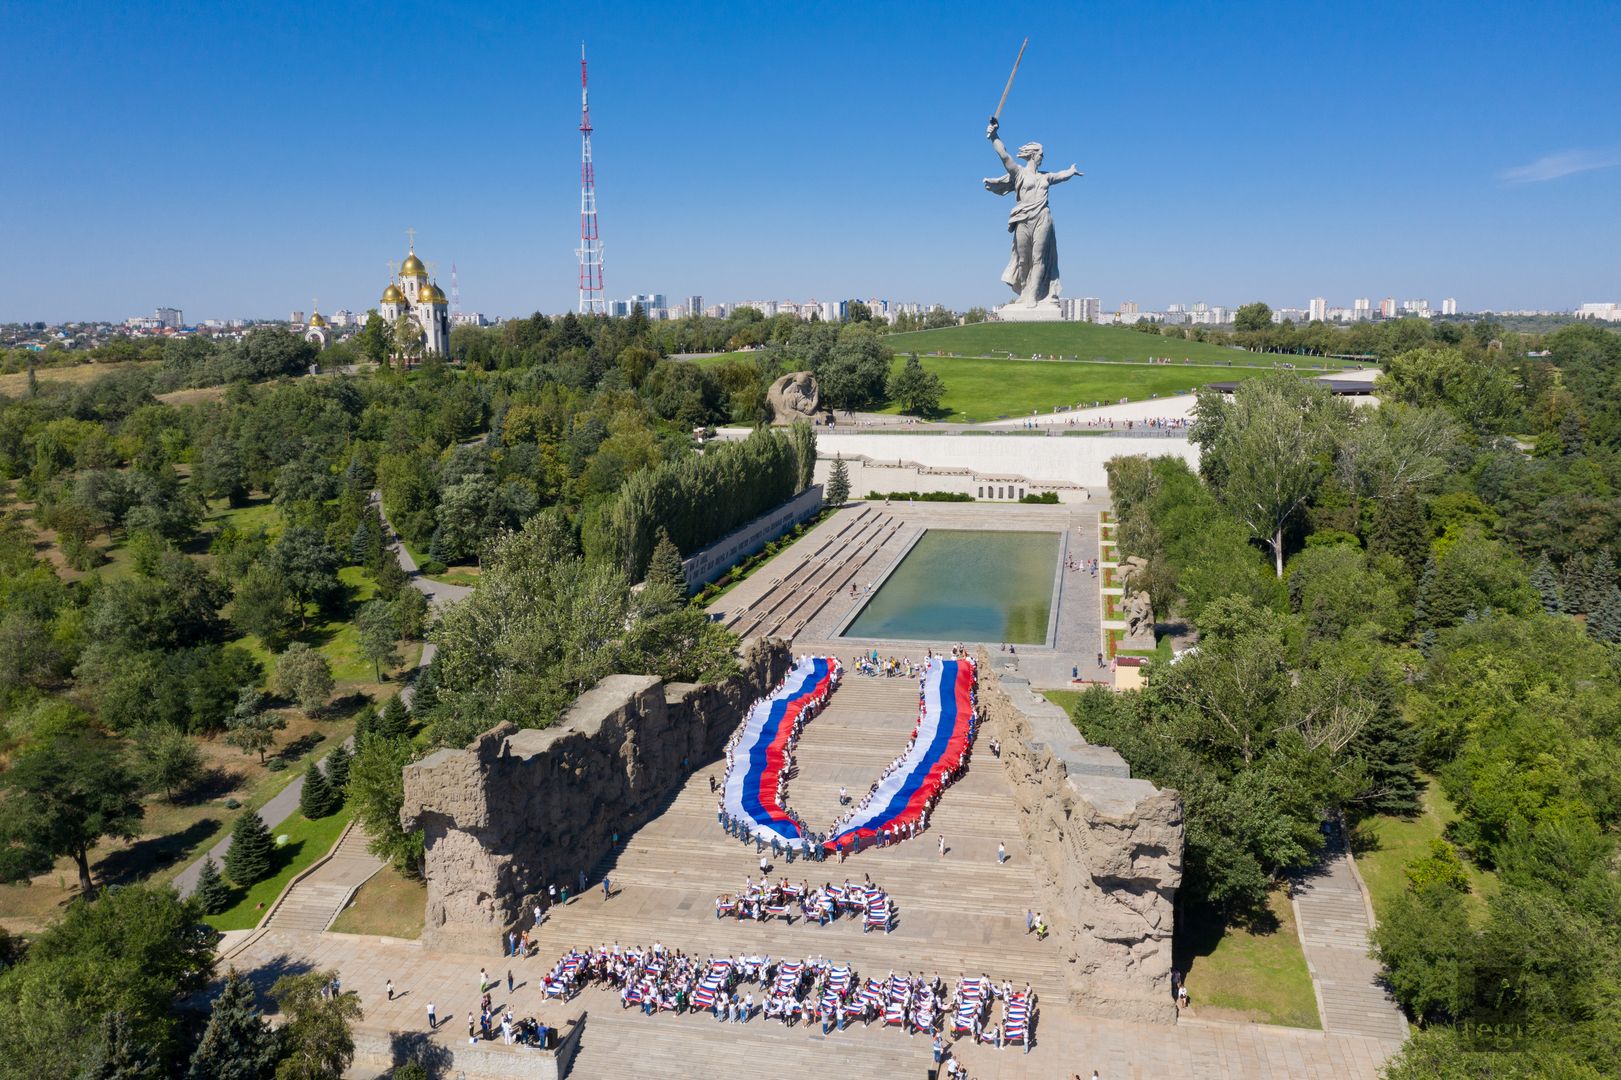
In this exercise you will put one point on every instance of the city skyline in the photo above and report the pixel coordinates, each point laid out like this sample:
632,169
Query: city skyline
746,180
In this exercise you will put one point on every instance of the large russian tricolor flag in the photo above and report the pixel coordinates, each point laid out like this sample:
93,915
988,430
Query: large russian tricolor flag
942,740
761,756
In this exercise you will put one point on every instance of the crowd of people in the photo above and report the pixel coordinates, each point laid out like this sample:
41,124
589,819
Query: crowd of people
811,991
800,696
857,828
889,667
766,900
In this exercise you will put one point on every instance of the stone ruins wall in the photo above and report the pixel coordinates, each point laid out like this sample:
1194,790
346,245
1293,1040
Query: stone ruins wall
1109,851
519,809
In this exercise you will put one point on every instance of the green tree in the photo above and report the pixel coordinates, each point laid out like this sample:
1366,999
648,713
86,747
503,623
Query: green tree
1546,583
838,484
317,799
379,627
116,1055
373,339
917,391
303,675
265,606
134,951
393,721
212,893
336,766
1266,452
248,859
58,798
411,608
252,728
407,339
168,760
237,1044
665,570
377,792
317,1040
1253,317
304,561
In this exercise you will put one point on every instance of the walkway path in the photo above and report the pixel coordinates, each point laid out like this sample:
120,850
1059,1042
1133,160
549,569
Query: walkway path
282,805
1332,912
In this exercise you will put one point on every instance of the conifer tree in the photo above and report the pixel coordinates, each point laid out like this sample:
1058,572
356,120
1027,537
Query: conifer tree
317,799
1546,583
360,544
237,1044
425,691
337,770
116,1055
1604,621
664,569
212,892
838,484
393,721
247,860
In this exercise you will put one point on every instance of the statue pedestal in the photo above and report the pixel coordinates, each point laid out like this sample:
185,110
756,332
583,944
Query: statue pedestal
1046,311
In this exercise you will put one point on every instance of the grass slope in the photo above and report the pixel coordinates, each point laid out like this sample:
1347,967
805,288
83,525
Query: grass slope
306,841
389,905
1383,847
1071,340
1239,974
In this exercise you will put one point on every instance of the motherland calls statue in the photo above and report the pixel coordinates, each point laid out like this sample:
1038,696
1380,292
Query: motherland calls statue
1032,271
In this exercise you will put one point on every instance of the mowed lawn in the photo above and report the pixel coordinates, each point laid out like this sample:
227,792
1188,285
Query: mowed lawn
1075,340
306,841
990,389
1239,974
1385,845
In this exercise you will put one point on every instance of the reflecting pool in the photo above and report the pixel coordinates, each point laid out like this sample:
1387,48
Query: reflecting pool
966,585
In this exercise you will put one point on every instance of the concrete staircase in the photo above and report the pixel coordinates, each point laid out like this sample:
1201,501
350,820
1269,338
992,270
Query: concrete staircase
314,902
1334,929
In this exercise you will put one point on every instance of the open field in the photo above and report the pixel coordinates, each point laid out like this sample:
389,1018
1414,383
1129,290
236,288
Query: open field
1246,974
985,389
1385,845
16,383
1074,340
388,905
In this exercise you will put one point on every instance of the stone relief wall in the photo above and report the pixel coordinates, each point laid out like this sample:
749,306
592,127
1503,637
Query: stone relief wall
1109,851
519,809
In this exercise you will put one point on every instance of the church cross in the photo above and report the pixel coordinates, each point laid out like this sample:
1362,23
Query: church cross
412,234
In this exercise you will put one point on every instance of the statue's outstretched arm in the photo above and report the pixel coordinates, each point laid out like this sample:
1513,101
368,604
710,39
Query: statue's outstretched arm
1001,151
1066,174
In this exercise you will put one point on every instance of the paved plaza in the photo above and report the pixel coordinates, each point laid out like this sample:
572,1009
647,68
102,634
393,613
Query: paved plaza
957,914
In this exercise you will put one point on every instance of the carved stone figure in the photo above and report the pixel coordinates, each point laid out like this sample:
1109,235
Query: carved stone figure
795,396
1032,271
1139,614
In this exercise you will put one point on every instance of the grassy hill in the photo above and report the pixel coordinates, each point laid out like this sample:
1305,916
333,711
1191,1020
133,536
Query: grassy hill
1071,340
979,389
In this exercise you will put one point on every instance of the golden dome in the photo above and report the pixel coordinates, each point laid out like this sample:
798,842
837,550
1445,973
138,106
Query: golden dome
430,294
413,267
317,320
392,295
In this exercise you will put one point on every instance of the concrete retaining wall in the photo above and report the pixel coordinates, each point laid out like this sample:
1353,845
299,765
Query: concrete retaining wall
707,564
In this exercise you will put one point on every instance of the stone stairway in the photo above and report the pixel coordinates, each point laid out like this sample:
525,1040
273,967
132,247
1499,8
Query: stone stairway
314,902
1334,930
958,914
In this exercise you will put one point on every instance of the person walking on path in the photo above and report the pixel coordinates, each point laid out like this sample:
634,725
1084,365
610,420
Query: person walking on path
433,1021
1029,920
483,980
509,980
605,889
942,845
391,989
1001,854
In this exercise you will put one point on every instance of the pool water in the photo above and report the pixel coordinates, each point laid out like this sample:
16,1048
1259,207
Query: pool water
966,585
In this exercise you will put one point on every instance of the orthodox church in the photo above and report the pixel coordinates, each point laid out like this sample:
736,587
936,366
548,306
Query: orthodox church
413,296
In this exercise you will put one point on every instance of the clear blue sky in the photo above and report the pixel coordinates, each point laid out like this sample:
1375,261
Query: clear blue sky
236,160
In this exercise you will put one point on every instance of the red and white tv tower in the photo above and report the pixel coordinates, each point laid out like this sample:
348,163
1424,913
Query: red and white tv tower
592,301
